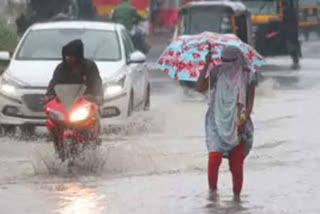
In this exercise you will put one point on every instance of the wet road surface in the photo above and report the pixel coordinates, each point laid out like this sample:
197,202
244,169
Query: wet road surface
155,162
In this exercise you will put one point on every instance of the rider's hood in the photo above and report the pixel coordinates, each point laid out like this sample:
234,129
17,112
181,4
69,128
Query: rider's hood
73,48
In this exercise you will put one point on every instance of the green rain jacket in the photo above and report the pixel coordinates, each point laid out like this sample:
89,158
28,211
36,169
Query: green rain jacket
126,15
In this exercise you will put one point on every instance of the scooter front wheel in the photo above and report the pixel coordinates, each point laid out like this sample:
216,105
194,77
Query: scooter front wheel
64,151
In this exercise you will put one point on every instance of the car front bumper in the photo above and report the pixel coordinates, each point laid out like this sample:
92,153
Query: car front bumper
115,107
14,111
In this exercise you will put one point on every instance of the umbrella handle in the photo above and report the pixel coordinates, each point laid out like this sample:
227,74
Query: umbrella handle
209,77
209,53
209,90
209,47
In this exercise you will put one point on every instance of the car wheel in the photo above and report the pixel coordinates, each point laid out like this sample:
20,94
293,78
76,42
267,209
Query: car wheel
147,99
131,104
8,130
27,130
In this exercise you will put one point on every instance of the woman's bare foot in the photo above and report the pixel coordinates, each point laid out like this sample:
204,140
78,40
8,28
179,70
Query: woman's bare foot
213,195
237,197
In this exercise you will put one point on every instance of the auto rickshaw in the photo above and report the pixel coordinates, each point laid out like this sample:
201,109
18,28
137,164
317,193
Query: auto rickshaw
309,17
215,16
275,26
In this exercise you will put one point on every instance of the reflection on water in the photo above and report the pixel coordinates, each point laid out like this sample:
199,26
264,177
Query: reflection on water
79,199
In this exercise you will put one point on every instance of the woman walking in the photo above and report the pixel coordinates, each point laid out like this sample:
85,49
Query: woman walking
229,129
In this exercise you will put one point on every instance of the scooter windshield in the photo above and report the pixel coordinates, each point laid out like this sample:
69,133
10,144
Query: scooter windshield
69,93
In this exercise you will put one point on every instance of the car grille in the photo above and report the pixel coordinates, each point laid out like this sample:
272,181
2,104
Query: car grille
33,102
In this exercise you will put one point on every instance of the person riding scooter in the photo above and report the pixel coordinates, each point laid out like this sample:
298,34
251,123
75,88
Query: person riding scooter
129,17
75,69
126,15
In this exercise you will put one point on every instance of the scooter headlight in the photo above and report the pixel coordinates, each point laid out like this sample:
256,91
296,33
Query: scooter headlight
80,114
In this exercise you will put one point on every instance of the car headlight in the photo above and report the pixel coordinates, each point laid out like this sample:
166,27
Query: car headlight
113,90
8,89
8,86
80,114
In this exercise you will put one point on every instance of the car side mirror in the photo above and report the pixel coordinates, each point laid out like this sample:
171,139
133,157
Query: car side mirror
137,57
4,56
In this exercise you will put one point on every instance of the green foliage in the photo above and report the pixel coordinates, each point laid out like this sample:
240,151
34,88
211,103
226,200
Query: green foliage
8,36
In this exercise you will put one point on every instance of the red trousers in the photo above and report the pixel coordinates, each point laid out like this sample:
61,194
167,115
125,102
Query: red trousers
236,159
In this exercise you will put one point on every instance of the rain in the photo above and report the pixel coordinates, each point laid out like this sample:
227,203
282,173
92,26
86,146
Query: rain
156,161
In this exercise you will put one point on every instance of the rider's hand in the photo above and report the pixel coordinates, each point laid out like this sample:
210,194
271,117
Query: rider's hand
96,99
88,97
99,100
47,99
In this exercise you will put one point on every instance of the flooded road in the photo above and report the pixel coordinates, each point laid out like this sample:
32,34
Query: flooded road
155,162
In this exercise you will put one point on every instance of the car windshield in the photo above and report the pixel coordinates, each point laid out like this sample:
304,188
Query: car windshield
206,19
262,6
99,45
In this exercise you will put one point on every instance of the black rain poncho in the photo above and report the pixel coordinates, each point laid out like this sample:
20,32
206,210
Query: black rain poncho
85,72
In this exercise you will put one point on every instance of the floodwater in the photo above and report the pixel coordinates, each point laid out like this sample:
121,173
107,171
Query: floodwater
155,162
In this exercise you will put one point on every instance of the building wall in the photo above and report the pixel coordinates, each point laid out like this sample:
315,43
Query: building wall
104,7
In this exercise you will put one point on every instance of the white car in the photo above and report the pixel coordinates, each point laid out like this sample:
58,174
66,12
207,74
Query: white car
122,69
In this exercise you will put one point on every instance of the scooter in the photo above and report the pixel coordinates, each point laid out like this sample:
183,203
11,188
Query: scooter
74,120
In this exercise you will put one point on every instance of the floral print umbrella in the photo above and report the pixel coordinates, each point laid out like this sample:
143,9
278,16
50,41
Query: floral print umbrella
185,57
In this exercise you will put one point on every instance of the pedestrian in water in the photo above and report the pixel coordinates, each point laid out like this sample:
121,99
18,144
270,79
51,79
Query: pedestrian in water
229,129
